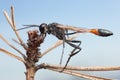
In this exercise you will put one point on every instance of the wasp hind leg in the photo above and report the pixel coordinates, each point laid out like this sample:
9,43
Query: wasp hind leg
76,50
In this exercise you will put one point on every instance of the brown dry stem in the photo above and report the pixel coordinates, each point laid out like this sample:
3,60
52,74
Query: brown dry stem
13,26
8,43
86,76
12,55
79,68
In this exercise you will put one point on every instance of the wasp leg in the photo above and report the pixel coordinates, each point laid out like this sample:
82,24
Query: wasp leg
71,33
74,52
62,50
75,41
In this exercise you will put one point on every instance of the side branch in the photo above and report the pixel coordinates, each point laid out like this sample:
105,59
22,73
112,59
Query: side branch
12,55
12,24
86,76
78,68
12,46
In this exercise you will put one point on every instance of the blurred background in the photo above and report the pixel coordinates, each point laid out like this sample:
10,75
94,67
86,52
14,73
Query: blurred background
96,51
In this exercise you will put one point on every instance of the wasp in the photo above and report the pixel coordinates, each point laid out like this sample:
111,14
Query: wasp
61,32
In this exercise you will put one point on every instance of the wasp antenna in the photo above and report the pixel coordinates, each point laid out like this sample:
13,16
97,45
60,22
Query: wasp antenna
32,25
28,26
23,28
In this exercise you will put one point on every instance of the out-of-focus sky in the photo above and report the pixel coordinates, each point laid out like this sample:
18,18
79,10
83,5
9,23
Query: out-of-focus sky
96,51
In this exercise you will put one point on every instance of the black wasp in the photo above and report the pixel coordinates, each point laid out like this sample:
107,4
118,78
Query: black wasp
62,34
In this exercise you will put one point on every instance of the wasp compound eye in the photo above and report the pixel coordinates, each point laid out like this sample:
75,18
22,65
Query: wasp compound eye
104,32
101,32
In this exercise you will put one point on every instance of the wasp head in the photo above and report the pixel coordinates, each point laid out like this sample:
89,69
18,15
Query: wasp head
43,28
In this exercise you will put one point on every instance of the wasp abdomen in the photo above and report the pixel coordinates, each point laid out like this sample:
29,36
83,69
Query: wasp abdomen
101,32
104,32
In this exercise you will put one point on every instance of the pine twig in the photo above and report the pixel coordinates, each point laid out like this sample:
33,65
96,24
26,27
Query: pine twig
86,76
12,18
12,24
12,55
8,18
16,41
58,68
79,68
12,46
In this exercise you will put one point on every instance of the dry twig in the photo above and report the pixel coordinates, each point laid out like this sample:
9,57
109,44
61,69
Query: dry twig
12,46
12,55
86,76
12,24
79,68
69,70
